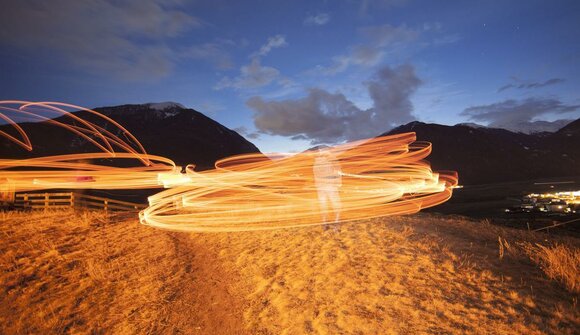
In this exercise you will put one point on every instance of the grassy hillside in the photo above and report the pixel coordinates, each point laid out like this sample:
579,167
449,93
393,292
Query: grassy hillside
66,272
86,273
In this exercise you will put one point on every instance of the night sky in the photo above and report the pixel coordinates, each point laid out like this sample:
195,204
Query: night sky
290,74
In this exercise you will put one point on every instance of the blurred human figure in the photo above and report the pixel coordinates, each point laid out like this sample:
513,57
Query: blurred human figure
328,180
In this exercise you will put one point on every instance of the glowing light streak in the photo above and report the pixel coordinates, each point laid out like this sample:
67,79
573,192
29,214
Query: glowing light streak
379,177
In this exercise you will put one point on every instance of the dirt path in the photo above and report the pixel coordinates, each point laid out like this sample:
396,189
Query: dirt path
208,302
85,273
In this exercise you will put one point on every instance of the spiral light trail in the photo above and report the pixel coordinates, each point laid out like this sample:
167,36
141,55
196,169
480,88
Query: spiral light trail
380,176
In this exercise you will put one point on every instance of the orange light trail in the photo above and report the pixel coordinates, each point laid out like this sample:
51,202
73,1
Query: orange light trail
75,171
378,177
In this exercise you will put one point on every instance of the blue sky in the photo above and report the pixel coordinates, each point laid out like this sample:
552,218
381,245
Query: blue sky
288,74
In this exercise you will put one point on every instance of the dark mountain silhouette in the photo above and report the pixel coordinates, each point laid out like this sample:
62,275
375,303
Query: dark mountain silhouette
168,129
571,129
488,155
479,154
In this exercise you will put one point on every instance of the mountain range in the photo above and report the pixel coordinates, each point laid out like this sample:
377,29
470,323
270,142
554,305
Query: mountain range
528,127
479,154
488,155
166,129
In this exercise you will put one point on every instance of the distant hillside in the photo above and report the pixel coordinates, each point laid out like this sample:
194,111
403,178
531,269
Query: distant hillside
486,155
166,129
527,127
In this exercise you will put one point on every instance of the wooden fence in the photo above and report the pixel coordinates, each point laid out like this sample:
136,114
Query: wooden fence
71,199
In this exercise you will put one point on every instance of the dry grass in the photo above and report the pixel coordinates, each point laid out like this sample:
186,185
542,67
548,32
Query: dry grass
559,262
86,273
400,275
71,272
559,259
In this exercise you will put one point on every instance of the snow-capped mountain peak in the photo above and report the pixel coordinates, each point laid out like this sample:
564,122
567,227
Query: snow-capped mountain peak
471,125
161,106
524,127
536,126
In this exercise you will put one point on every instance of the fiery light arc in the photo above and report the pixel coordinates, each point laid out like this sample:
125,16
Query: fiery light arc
33,111
380,176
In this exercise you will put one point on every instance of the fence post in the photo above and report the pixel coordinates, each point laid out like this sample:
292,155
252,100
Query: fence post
45,201
106,205
25,201
72,199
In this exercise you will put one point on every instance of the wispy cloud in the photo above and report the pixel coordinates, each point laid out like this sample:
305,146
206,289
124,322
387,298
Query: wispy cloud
531,85
511,113
362,55
273,42
252,76
324,117
123,39
382,40
247,133
317,20
388,35
212,52
372,52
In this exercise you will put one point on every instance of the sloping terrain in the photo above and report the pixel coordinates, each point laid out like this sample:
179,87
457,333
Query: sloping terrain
183,135
67,272
85,273
399,275
488,155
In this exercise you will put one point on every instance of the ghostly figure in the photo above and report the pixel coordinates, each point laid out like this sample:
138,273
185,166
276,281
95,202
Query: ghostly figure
328,180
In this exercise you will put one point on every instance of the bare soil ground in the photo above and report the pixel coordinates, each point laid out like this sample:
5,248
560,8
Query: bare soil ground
86,273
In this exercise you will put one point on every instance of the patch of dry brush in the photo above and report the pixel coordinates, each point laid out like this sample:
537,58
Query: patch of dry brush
413,274
559,262
67,272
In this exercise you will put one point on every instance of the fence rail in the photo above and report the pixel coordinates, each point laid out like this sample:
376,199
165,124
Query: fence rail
72,200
